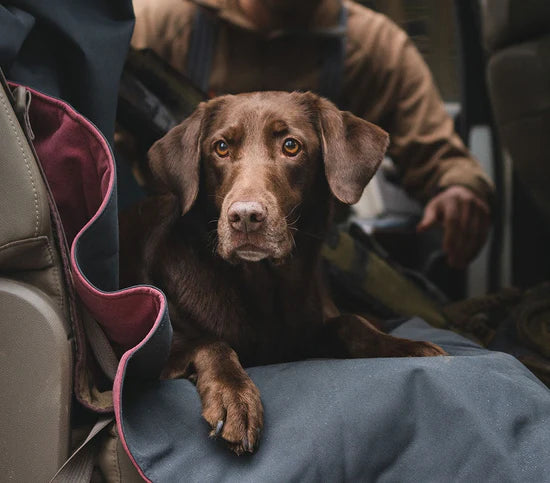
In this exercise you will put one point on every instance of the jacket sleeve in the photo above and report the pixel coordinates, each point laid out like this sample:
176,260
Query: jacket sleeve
424,145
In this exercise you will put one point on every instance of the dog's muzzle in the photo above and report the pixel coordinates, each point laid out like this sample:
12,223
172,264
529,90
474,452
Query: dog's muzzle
249,232
246,216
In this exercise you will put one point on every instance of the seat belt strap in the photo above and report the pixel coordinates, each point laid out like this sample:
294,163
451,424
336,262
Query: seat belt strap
101,348
80,465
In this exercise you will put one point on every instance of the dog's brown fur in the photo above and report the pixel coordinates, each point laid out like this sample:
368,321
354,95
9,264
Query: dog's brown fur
251,284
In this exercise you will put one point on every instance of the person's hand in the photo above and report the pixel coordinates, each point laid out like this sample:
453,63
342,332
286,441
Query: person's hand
465,219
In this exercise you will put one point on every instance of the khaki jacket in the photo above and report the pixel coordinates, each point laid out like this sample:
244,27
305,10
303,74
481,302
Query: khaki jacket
385,80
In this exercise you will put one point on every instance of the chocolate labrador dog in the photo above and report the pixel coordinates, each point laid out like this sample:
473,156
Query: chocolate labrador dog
248,183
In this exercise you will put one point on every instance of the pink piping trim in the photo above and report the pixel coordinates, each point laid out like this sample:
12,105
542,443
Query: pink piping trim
118,384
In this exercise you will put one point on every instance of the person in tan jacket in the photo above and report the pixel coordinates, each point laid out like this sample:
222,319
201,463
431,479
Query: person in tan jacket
281,44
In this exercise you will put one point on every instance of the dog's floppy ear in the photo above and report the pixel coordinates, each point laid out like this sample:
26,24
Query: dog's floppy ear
174,160
352,151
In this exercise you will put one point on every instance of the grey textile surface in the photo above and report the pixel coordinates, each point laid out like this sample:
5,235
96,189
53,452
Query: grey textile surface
474,416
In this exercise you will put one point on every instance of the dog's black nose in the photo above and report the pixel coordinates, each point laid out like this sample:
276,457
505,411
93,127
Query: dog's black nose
246,216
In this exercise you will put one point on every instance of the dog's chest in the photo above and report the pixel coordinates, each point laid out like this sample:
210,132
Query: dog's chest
280,315
264,316
265,313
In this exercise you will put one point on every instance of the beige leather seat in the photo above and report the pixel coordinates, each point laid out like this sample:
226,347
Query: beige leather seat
35,346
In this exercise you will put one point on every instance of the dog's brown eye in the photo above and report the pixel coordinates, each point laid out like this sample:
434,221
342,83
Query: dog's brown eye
222,148
291,147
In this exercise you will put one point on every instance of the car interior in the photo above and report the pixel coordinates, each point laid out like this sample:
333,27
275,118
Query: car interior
491,62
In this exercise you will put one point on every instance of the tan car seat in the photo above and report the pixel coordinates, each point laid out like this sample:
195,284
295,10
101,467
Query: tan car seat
35,346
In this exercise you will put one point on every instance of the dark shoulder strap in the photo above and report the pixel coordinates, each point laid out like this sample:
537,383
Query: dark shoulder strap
201,47
332,69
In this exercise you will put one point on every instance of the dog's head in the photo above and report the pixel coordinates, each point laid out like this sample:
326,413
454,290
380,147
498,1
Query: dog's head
261,156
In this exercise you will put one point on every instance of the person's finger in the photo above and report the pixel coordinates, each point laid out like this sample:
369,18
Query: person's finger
430,217
477,230
472,241
463,242
483,209
451,227
483,224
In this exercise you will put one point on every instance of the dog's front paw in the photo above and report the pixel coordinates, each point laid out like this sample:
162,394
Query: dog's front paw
234,411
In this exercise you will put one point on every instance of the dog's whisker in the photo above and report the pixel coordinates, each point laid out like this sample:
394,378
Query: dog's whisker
293,240
292,211
292,223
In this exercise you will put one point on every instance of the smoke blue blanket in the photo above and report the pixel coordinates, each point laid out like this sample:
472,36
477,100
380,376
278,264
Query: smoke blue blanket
473,416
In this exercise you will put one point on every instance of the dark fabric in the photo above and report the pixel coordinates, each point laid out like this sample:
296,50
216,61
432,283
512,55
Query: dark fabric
330,83
97,248
73,50
201,49
476,416
16,25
